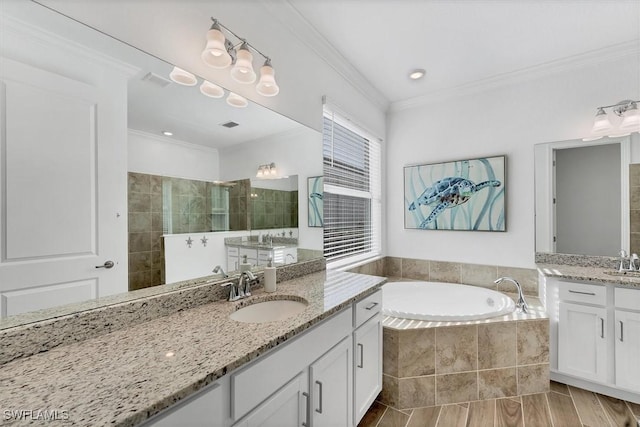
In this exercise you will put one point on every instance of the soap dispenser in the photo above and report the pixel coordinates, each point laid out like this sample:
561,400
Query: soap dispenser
244,266
270,277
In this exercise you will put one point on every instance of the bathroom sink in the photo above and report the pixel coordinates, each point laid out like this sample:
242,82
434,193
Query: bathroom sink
268,311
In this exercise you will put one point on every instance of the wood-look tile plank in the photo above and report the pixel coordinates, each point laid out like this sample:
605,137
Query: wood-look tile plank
535,410
373,415
424,417
452,416
590,411
563,413
508,413
559,388
618,412
393,418
635,408
482,413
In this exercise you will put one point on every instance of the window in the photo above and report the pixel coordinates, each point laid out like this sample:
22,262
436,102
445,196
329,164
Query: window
352,192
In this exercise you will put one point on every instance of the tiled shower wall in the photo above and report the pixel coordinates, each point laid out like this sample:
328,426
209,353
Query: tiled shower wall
273,209
146,256
452,272
634,206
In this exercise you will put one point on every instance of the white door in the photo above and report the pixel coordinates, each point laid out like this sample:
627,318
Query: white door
332,387
628,350
368,365
62,180
288,407
582,341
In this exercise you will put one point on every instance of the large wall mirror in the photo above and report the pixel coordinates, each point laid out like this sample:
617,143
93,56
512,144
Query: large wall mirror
88,176
582,196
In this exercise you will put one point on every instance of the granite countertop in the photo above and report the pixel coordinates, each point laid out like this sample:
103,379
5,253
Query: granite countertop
124,377
590,274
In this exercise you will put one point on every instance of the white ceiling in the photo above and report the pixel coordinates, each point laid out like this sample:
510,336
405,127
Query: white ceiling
375,43
461,42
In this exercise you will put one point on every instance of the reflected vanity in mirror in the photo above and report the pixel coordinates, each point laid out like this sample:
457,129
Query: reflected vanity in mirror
93,189
582,197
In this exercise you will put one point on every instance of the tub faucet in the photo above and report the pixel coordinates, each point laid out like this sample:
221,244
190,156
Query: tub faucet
521,304
218,269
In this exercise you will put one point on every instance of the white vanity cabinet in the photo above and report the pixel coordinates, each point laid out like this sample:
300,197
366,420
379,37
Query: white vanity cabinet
595,336
367,354
260,257
627,338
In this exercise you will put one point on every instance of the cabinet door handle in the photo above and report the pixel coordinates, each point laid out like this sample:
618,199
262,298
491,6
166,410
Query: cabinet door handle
319,409
621,330
305,423
582,293
370,306
601,327
361,365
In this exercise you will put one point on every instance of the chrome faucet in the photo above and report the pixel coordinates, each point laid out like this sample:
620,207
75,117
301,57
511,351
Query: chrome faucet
521,304
244,283
218,269
233,291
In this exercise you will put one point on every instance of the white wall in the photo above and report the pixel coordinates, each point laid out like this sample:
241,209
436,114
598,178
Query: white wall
294,153
156,155
507,120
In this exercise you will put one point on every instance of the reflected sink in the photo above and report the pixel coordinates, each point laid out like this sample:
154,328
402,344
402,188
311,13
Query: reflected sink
268,311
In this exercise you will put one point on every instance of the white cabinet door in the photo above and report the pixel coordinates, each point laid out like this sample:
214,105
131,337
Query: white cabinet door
288,407
204,409
368,365
63,179
582,341
332,387
628,350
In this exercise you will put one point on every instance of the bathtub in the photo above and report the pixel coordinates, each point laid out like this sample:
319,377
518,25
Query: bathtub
443,301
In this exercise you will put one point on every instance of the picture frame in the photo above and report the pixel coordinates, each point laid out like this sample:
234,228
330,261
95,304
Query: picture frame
315,195
463,195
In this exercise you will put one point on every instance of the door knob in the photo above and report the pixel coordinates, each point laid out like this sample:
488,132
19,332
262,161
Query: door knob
107,264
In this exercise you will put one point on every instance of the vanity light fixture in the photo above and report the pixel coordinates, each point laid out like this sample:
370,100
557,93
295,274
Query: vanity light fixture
268,171
220,53
183,77
629,120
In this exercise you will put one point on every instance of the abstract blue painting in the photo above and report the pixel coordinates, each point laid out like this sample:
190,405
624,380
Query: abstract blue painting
462,195
315,185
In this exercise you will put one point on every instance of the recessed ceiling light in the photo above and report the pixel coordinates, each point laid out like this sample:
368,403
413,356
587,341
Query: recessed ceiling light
417,74
167,133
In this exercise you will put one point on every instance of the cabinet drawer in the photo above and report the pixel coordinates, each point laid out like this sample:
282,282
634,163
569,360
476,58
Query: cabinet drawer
255,383
627,298
580,292
232,251
367,308
249,253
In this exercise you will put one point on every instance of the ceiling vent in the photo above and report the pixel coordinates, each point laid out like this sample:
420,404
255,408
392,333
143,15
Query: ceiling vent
156,80
230,124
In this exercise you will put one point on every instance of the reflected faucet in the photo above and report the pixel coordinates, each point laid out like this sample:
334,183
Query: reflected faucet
521,304
218,269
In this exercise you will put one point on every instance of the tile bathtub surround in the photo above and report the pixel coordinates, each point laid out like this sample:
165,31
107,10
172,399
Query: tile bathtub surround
123,378
146,254
82,321
451,364
452,272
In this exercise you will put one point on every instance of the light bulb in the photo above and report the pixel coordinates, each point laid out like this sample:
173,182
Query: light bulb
267,85
242,71
631,118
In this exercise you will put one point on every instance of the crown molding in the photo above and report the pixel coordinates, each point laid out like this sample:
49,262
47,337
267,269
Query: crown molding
570,63
305,32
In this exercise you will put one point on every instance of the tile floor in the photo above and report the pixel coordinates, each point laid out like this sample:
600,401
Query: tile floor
563,406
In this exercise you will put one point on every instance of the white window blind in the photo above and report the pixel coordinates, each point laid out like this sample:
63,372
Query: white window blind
352,191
